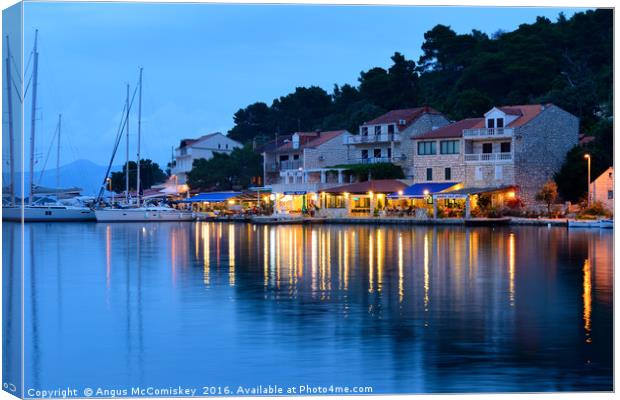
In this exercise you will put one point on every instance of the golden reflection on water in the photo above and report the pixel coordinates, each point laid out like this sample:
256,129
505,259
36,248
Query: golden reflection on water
231,254
401,277
426,272
371,278
587,300
206,253
511,268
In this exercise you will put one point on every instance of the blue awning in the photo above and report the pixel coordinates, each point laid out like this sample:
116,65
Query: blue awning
212,197
417,190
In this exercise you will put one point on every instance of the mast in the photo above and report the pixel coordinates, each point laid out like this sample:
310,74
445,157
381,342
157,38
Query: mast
35,67
127,150
58,154
139,126
9,98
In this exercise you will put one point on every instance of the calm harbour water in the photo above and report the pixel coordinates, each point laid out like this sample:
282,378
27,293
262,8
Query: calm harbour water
401,309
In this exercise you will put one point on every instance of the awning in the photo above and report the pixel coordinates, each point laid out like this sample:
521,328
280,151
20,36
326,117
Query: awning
295,192
463,193
212,197
419,190
376,186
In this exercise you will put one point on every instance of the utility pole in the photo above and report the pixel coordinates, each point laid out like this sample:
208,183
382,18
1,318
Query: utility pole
35,67
9,99
139,127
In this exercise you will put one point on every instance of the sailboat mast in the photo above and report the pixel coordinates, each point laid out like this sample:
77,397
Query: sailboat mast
58,153
9,99
139,127
35,67
127,150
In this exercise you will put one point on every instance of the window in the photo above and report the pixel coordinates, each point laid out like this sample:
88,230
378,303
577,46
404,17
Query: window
219,145
499,172
389,152
478,173
429,174
335,201
487,148
295,156
226,145
505,147
500,122
490,123
426,148
364,154
449,147
365,130
283,158
377,153
377,129
610,194
448,174
391,128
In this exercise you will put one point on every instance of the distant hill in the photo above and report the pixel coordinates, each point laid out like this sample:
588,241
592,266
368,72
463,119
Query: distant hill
81,173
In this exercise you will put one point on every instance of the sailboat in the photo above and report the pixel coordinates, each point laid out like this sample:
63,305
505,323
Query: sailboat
36,211
140,213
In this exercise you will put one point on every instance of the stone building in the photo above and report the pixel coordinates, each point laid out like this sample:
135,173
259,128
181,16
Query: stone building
515,146
602,189
387,138
307,162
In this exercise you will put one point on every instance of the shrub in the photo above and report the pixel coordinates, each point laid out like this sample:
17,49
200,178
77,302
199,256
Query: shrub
596,209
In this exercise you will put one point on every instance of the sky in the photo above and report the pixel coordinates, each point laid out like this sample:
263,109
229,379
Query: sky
202,62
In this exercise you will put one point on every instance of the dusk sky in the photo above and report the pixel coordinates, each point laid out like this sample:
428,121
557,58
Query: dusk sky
203,62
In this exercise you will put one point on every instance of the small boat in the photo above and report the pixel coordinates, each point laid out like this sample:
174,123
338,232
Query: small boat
487,221
48,213
606,223
142,214
583,223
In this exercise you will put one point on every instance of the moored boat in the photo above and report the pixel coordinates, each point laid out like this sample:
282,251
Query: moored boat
584,223
606,224
487,221
142,214
48,213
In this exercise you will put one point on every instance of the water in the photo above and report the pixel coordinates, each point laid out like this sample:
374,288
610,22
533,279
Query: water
399,309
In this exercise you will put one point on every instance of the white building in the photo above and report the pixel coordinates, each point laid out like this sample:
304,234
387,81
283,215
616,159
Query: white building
602,189
203,147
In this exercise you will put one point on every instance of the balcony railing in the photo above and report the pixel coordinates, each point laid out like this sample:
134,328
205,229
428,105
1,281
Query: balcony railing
488,157
487,132
369,160
370,138
283,165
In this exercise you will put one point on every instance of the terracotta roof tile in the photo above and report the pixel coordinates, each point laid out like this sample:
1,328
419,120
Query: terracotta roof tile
410,115
525,112
311,139
454,130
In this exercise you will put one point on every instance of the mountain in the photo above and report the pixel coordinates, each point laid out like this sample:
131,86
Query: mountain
81,173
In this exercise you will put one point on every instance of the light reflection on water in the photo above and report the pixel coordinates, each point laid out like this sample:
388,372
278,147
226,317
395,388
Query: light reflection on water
403,309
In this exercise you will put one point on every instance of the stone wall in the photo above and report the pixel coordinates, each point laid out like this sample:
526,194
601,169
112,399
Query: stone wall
407,147
328,154
540,148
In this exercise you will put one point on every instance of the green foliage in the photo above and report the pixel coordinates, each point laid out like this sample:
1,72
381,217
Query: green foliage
150,174
567,62
596,209
226,171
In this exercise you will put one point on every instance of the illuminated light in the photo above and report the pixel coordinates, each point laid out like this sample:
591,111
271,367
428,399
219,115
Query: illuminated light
511,195
272,196
346,194
426,192
370,194
380,195
400,192
231,202
586,156
315,197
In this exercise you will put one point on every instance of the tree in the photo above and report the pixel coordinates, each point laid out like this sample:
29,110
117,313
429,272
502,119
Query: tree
223,171
252,121
150,174
548,194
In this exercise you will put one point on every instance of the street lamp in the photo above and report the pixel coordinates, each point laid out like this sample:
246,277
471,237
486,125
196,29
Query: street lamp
587,157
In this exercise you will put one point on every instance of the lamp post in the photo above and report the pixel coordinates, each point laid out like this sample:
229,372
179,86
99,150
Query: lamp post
587,157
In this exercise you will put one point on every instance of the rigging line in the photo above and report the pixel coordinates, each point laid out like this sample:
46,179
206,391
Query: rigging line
27,86
119,135
16,69
28,63
19,96
49,150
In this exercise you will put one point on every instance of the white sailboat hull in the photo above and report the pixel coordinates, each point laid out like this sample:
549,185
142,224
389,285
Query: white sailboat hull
48,214
142,215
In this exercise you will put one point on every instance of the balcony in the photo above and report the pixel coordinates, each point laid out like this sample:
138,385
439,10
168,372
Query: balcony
283,165
488,157
487,133
383,137
369,160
